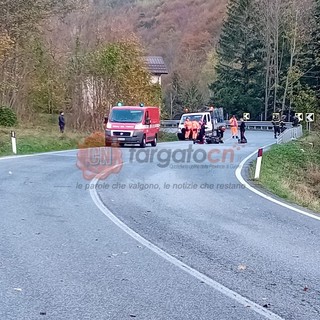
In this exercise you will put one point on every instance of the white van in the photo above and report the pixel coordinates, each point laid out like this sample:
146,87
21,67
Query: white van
197,116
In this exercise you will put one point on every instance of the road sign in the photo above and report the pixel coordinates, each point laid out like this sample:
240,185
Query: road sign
309,117
299,116
276,115
246,116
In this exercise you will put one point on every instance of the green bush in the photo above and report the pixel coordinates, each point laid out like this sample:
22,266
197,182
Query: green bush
8,117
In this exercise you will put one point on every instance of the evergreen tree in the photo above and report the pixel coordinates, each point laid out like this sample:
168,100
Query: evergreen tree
175,96
192,98
239,84
311,57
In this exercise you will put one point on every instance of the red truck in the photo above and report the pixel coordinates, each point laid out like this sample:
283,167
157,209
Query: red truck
133,125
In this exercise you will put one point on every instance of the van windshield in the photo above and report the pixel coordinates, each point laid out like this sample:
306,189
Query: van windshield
126,115
192,117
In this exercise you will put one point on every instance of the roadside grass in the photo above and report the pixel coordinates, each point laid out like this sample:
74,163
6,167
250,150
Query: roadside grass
37,140
167,136
292,171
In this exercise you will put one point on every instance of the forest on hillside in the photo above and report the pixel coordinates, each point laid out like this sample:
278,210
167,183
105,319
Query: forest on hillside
83,56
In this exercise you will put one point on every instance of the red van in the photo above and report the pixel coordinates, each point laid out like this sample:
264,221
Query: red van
133,125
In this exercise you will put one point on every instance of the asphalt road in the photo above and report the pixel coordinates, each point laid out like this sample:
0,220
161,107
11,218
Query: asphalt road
62,258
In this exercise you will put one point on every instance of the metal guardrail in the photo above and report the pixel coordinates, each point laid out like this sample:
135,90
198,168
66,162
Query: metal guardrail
250,125
261,125
169,123
290,134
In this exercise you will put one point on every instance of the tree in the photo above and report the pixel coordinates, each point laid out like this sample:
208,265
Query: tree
20,21
46,91
310,63
19,17
239,84
175,95
192,98
113,73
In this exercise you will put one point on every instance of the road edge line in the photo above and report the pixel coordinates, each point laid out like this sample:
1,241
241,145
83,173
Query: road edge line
184,267
238,174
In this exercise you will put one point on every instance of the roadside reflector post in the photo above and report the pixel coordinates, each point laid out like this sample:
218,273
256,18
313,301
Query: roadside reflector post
258,165
13,142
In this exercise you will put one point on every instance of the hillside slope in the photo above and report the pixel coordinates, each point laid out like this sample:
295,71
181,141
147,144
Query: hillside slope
184,32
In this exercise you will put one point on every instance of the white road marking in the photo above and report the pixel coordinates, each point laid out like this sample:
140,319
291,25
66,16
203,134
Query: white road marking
261,194
200,276
37,154
217,286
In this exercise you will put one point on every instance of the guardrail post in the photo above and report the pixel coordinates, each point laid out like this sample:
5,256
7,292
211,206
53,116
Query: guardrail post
258,165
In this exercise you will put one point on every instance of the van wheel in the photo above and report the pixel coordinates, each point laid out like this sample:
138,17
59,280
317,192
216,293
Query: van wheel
154,142
143,142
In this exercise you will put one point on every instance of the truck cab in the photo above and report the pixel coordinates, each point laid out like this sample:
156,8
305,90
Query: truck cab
132,125
213,118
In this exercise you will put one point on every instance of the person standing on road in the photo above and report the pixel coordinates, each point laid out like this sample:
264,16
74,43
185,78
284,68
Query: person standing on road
295,121
195,128
276,126
188,128
234,127
221,131
202,131
61,122
242,131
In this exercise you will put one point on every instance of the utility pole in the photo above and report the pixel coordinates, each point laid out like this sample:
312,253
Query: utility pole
171,103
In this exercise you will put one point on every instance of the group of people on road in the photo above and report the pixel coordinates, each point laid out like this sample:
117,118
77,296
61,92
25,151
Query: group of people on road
279,125
195,129
235,127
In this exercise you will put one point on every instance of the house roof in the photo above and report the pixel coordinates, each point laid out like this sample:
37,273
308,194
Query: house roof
156,65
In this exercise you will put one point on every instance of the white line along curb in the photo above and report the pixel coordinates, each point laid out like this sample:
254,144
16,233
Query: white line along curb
261,194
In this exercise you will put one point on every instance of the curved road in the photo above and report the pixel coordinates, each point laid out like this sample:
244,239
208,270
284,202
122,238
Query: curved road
172,235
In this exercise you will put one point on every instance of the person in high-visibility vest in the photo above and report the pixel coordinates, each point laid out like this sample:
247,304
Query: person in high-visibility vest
195,128
188,128
234,126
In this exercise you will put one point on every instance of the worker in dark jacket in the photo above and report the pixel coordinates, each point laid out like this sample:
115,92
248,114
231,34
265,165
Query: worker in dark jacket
220,132
276,126
242,131
202,131
61,122
295,121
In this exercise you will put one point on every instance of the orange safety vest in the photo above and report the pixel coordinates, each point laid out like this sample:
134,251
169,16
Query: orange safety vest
233,122
195,125
188,124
